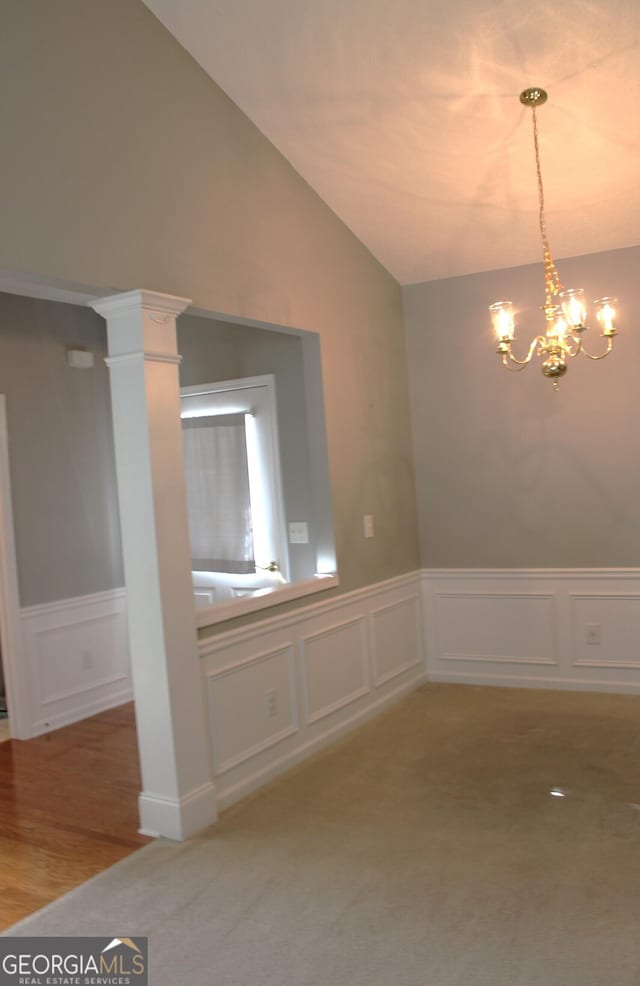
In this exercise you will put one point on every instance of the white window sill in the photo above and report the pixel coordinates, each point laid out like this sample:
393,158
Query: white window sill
219,612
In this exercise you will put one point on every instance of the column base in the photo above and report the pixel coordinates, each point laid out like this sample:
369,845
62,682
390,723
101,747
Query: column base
178,819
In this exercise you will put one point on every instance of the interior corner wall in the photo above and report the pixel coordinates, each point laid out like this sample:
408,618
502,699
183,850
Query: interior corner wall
510,474
65,510
125,166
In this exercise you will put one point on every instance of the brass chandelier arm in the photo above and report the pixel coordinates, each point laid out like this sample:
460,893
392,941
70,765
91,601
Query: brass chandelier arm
507,353
522,364
573,352
602,355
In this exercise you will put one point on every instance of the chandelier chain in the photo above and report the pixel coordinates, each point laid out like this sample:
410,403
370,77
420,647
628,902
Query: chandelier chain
552,281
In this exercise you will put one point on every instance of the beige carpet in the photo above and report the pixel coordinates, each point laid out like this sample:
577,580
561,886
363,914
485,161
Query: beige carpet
425,850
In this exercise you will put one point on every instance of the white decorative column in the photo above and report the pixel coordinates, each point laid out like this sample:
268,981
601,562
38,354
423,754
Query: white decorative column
178,797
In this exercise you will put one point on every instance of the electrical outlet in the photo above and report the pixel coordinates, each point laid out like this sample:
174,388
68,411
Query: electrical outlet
593,633
270,703
367,521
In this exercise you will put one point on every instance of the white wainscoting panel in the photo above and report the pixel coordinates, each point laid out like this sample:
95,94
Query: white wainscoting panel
327,666
397,639
606,630
510,627
335,668
77,657
251,686
545,628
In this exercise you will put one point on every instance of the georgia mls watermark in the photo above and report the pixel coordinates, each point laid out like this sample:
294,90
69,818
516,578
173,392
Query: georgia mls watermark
74,962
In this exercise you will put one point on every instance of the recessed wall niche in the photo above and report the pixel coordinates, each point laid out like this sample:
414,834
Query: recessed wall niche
223,357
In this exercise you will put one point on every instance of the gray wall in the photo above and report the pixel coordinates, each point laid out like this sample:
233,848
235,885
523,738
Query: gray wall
124,166
60,451
510,473
210,350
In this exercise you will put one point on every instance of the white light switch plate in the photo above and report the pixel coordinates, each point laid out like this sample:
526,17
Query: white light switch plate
298,532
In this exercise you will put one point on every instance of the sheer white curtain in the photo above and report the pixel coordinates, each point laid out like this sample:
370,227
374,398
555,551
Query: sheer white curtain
217,477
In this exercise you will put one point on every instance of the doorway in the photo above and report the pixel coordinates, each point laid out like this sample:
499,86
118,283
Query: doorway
4,713
14,720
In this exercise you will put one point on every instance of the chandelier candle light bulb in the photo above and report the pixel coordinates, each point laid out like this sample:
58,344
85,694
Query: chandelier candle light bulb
605,314
574,308
564,308
503,320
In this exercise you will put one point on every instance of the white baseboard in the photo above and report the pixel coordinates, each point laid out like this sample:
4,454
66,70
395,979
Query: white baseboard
281,689
77,658
530,681
539,628
179,819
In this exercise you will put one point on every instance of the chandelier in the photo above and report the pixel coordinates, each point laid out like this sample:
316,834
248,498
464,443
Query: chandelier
564,308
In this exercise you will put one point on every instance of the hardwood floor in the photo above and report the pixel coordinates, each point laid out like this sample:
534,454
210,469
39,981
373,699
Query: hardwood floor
68,809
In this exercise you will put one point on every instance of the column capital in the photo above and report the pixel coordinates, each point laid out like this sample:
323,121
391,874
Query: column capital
128,302
141,322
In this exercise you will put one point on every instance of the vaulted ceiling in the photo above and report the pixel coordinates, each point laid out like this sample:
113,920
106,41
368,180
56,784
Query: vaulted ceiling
404,116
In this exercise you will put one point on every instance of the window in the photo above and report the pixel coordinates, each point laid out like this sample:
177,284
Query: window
218,493
234,488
